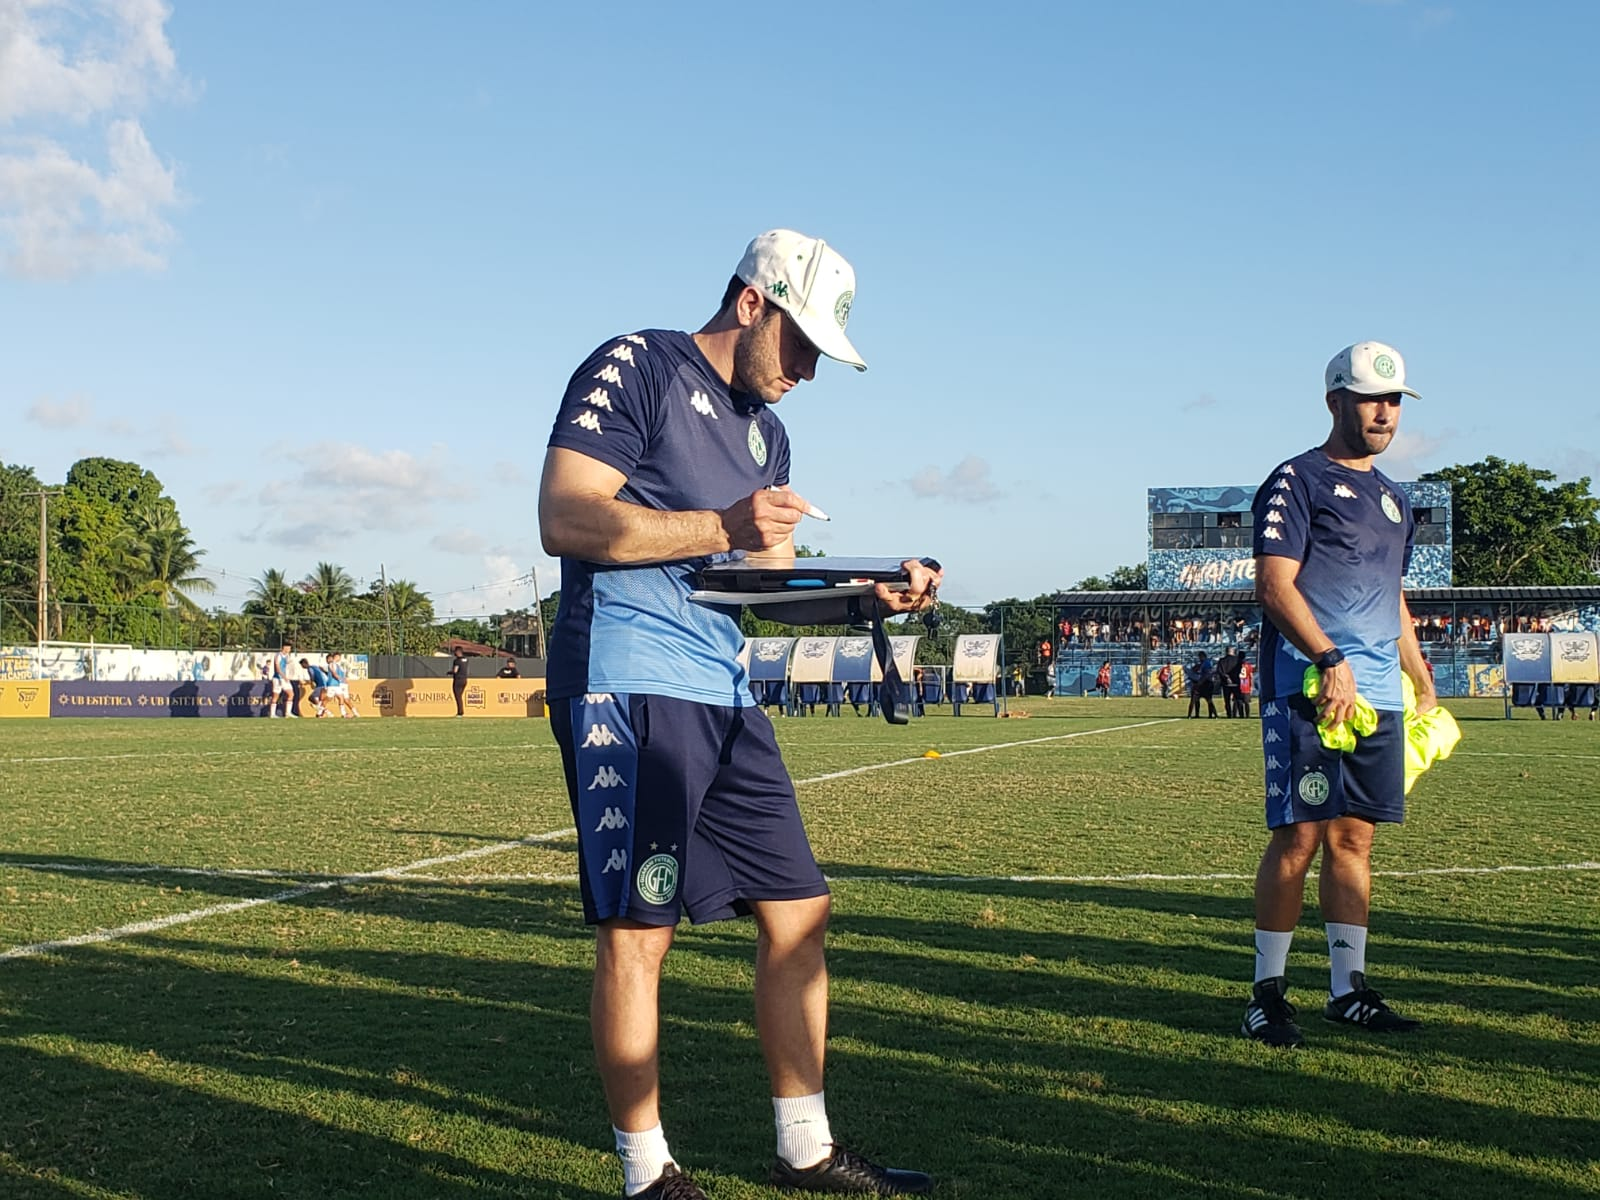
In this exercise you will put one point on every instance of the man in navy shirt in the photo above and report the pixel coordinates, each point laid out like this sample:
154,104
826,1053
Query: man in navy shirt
1333,539
666,452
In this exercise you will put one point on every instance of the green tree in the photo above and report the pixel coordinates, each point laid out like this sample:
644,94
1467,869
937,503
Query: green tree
19,553
273,597
161,559
1124,579
125,485
1514,525
330,586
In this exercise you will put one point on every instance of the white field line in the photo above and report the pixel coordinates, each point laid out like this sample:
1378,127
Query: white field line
215,910
258,752
1136,877
306,889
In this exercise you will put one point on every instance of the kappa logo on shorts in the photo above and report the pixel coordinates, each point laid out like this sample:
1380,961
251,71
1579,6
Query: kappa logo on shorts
1273,764
612,818
617,862
1271,736
601,735
657,879
1313,788
597,697
607,777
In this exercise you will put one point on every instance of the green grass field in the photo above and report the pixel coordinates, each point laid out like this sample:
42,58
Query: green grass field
1040,955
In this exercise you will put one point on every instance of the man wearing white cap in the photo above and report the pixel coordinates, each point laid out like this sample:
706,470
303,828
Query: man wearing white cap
1333,539
666,452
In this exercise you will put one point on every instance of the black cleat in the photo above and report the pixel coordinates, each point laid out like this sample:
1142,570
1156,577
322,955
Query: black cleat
846,1171
1364,1007
672,1184
1269,1017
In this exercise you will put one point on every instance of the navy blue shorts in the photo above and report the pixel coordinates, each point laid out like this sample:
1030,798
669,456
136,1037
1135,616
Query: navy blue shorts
1308,782
680,807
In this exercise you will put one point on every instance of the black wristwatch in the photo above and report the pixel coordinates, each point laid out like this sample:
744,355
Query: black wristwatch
1331,658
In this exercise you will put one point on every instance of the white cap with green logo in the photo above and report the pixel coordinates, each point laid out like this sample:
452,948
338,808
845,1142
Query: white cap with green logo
1368,369
810,281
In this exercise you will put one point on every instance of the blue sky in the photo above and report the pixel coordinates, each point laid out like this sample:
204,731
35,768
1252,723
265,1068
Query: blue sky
325,268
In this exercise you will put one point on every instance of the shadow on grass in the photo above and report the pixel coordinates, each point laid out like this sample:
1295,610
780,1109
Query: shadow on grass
173,1067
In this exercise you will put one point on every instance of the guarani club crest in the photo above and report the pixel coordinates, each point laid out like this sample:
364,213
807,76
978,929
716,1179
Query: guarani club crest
757,443
657,880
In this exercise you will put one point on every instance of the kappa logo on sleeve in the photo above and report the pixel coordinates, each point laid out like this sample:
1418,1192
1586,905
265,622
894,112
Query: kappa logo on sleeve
622,352
587,420
609,374
600,398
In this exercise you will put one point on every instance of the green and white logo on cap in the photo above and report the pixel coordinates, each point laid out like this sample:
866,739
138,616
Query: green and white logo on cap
841,308
1384,366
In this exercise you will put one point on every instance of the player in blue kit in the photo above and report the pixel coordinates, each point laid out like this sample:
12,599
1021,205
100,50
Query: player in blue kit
1333,538
666,453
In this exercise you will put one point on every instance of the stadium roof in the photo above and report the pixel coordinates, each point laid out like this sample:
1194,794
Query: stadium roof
1589,594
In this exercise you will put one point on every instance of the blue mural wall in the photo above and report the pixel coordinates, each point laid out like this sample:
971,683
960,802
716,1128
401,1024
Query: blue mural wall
1195,546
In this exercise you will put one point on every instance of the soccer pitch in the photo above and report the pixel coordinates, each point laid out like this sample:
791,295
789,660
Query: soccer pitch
342,958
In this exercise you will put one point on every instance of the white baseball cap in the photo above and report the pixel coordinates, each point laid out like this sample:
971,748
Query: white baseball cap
810,281
1368,369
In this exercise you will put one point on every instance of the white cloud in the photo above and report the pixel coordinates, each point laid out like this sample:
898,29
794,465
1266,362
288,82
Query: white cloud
81,189
459,541
507,584
967,482
71,413
509,474
1412,454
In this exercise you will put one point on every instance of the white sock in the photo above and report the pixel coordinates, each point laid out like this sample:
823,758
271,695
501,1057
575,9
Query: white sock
1272,953
1347,952
644,1156
804,1138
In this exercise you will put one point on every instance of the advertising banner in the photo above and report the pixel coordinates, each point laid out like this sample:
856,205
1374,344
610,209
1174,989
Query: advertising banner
433,698
1526,657
168,698
24,698
1573,658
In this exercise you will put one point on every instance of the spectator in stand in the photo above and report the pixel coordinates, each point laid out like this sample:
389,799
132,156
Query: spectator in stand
508,670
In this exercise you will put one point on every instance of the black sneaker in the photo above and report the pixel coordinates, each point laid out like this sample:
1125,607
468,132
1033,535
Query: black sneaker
1364,1007
846,1171
1269,1017
672,1184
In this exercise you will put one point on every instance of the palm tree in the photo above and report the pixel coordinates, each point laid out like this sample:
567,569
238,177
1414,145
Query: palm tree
160,558
330,584
408,604
274,597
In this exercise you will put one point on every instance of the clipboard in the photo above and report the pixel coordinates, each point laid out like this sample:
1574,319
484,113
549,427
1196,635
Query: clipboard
818,591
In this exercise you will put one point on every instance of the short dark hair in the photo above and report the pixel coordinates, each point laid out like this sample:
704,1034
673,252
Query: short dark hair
731,292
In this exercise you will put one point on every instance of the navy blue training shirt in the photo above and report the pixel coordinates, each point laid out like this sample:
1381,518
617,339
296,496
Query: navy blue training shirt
652,406
1351,531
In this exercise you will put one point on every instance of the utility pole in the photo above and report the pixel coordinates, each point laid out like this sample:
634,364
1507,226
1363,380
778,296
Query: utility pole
538,615
44,562
388,621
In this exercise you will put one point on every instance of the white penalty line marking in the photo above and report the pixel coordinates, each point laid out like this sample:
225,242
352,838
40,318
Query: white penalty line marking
217,910
1136,877
406,872
259,752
